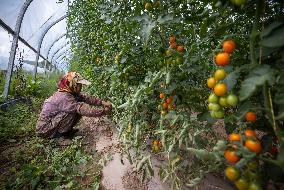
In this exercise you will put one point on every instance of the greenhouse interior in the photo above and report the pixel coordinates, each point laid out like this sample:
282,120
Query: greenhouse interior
142,94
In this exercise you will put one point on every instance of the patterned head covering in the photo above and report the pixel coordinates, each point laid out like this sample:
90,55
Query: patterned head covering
70,81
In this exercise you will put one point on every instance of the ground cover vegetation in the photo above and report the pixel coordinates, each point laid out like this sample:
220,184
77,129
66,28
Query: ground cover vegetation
28,161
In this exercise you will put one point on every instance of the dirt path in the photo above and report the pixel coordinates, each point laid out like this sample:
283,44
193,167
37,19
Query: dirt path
100,135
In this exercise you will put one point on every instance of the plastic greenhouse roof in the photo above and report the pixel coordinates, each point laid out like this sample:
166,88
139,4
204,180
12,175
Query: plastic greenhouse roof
39,15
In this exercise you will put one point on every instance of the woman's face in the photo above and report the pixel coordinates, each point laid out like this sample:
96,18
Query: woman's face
78,88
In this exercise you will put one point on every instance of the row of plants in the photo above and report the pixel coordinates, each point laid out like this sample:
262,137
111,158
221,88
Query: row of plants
152,60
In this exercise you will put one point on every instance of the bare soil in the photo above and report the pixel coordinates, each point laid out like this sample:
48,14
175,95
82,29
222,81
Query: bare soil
100,134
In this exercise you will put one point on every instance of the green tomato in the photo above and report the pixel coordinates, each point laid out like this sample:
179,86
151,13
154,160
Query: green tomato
232,173
214,106
242,184
252,165
179,60
239,2
148,6
254,186
169,61
219,114
253,176
232,100
212,113
213,98
223,101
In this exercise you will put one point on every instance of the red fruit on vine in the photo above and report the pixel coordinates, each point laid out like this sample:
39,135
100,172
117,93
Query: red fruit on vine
222,59
180,48
250,116
234,137
231,156
250,133
229,46
253,145
172,39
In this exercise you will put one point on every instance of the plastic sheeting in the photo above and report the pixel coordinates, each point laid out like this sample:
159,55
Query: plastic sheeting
39,15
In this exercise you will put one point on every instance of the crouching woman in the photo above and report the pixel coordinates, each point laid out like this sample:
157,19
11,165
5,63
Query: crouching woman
64,108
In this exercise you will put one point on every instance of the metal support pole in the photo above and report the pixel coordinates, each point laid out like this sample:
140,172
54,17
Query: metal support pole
56,40
45,65
14,47
40,43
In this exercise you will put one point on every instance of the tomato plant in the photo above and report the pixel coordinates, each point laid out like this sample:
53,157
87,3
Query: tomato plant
173,47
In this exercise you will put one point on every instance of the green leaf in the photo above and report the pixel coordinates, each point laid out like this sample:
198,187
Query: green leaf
274,39
231,79
147,27
258,77
165,18
202,154
267,30
206,117
123,105
243,109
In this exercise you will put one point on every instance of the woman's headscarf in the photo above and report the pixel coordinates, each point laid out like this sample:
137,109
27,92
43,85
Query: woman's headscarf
70,81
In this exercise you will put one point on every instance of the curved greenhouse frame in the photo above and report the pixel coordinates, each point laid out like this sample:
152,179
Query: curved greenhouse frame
38,40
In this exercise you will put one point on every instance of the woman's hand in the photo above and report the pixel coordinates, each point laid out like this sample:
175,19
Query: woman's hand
107,109
106,104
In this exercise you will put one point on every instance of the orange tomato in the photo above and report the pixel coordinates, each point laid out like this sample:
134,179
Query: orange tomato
162,95
211,82
250,116
156,142
231,156
169,100
165,105
234,137
253,145
172,39
222,59
180,48
229,46
220,89
250,133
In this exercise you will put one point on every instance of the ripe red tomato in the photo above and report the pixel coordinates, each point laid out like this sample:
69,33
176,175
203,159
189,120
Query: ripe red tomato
234,137
232,156
250,133
253,145
250,117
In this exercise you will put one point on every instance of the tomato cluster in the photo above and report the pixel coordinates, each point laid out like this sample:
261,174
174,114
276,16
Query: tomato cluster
166,104
219,98
174,52
150,5
248,178
156,146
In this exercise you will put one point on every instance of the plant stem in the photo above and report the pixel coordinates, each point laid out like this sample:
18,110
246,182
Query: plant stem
254,32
